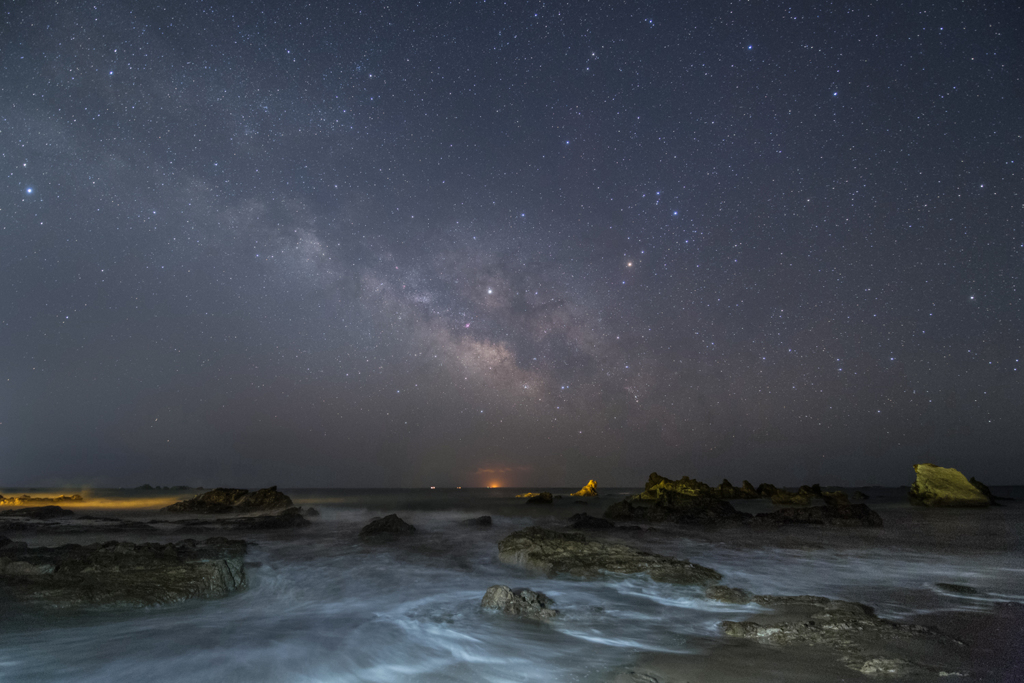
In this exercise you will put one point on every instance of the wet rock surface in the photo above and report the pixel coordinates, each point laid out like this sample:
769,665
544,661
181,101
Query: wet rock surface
222,501
121,573
572,553
41,512
387,527
860,639
522,602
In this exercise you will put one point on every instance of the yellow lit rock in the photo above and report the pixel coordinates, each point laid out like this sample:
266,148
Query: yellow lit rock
589,490
944,487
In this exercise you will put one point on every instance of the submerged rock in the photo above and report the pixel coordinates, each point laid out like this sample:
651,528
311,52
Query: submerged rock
727,594
571,553
42,512
121,573
831,515
590,490
485,520
221,501
670,506
523,602
582,520
945,487
540,498
392,525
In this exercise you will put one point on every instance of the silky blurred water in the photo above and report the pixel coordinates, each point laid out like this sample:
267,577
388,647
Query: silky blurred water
324,606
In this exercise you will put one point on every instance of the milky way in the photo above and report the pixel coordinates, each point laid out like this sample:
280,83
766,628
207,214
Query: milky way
470,243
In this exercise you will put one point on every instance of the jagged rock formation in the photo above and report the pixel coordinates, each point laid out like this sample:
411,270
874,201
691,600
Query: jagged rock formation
121,573
728,491
390,526
222,501
571,553
590,490
523,602
945,487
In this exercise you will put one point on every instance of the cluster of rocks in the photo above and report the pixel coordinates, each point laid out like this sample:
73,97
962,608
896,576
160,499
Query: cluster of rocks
688,501
121,573
147,487
26,499
220,501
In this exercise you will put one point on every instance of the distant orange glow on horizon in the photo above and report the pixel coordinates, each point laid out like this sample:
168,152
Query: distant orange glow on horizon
494,485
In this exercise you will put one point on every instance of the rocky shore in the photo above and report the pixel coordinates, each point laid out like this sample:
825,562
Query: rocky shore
120,573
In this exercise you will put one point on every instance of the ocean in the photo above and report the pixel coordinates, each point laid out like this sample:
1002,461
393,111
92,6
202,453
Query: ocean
324,606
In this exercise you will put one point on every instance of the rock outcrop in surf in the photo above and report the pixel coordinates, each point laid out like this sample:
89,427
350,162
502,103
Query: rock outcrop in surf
555,553
945,487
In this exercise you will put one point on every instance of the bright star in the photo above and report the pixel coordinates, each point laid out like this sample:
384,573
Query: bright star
28,191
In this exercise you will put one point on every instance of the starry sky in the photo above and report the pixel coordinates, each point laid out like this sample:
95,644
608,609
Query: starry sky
520,243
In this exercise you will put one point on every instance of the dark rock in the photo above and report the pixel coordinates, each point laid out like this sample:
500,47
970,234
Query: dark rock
767,490
986,491
42,512
290,518
658,485
728,491
540,498
522,602
571,553
121,573
311,512
584,521
835,498
144,487
671,506
221,501
859,495
392,525
478,521
832,515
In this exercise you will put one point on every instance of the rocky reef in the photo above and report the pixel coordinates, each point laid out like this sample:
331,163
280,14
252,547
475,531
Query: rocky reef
37,501
121,573
859,639
590,490
945,487
555,552
222,501
523,602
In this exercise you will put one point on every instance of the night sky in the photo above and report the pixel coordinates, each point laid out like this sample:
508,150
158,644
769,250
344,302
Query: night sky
527,243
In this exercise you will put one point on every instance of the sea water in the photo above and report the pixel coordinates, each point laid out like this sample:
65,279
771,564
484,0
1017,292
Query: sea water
324,606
